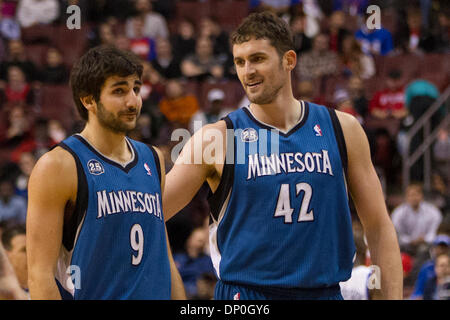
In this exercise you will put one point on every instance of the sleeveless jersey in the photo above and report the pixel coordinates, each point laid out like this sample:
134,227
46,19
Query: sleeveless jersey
114,244
280,215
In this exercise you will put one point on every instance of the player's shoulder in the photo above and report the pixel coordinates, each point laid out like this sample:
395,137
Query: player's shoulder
56,162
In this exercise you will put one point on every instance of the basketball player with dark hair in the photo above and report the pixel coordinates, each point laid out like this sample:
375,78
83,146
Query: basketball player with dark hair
281,224
95,221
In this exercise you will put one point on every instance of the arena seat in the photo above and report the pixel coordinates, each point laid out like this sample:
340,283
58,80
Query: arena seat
192,10
56,102
37,53
72,43
407,63
230,13
40,33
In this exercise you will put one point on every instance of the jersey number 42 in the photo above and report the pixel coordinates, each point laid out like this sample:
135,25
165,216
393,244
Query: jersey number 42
284,208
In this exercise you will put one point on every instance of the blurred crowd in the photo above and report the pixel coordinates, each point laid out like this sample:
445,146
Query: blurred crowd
387,78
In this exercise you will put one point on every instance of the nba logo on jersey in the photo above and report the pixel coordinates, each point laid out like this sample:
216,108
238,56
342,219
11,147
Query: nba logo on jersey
318,130
149,172
237,296
95,167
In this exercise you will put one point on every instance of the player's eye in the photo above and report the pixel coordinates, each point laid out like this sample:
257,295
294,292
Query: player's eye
137,90
118,91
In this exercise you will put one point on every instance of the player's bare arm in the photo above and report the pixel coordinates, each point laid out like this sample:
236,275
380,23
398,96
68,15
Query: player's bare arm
366,191
177,287
193,167
52,188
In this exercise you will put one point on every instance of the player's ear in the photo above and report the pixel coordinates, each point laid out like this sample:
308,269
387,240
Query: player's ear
88,102
289,60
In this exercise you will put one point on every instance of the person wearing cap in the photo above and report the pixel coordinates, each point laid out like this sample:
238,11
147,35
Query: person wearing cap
345,104
212,112
390,102
440,246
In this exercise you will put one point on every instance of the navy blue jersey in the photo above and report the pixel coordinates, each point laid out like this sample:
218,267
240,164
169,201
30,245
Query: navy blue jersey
114,242
280,215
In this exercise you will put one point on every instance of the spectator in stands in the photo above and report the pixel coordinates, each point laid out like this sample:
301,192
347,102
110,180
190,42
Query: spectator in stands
33,12
122,42
318,62
212,112
206,285
16,126
17,90
26,164
344,103
356,288
302,42
54,72
194,262
177,106
154,24
56,131
279,7
441,152
441,245
103,35
166,63
441,31
140,44
413,36
39,142
354,61
358,96
440,195
14,242
438,287
9,27
374,41
337,31
13,208
17,57
203,64
9,285
210,28
390,102
416,222
184,39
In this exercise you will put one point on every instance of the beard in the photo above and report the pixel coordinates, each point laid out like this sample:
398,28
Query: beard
113,122
266,96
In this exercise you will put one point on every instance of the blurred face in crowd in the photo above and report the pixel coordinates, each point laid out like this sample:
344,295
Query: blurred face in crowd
138,26
414,196
26,163
54,57
298,25
16,77
321,43
337,20
143,5
106,34
414,20
186,29
442,266
174,89
355,85
16,49
196,241
394,83
6,190
204,47
18,257
163,48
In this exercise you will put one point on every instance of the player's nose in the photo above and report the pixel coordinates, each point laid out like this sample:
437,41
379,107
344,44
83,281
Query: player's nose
133,99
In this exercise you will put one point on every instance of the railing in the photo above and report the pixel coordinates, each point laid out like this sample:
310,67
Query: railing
429,137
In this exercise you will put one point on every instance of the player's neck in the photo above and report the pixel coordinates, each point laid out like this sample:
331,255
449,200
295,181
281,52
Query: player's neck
283,113
111,144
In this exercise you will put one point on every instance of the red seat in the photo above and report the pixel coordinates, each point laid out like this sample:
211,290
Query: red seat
56,102
230,13
192,10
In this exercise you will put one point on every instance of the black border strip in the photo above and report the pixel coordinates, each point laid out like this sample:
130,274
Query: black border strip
217,199
293,130
157,162
71,226
339,134
126,169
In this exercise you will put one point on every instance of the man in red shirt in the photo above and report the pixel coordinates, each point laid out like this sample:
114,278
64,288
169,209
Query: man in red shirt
390,102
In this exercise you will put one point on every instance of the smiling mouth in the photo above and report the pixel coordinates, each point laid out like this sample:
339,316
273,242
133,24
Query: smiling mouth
253,84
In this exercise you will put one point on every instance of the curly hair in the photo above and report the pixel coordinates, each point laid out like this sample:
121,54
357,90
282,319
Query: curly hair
94,67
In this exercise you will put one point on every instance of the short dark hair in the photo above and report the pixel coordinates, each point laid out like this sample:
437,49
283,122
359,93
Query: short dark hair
9,233
95,66
265,25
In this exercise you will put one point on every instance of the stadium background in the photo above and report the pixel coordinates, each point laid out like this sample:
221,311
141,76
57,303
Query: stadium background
37,51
